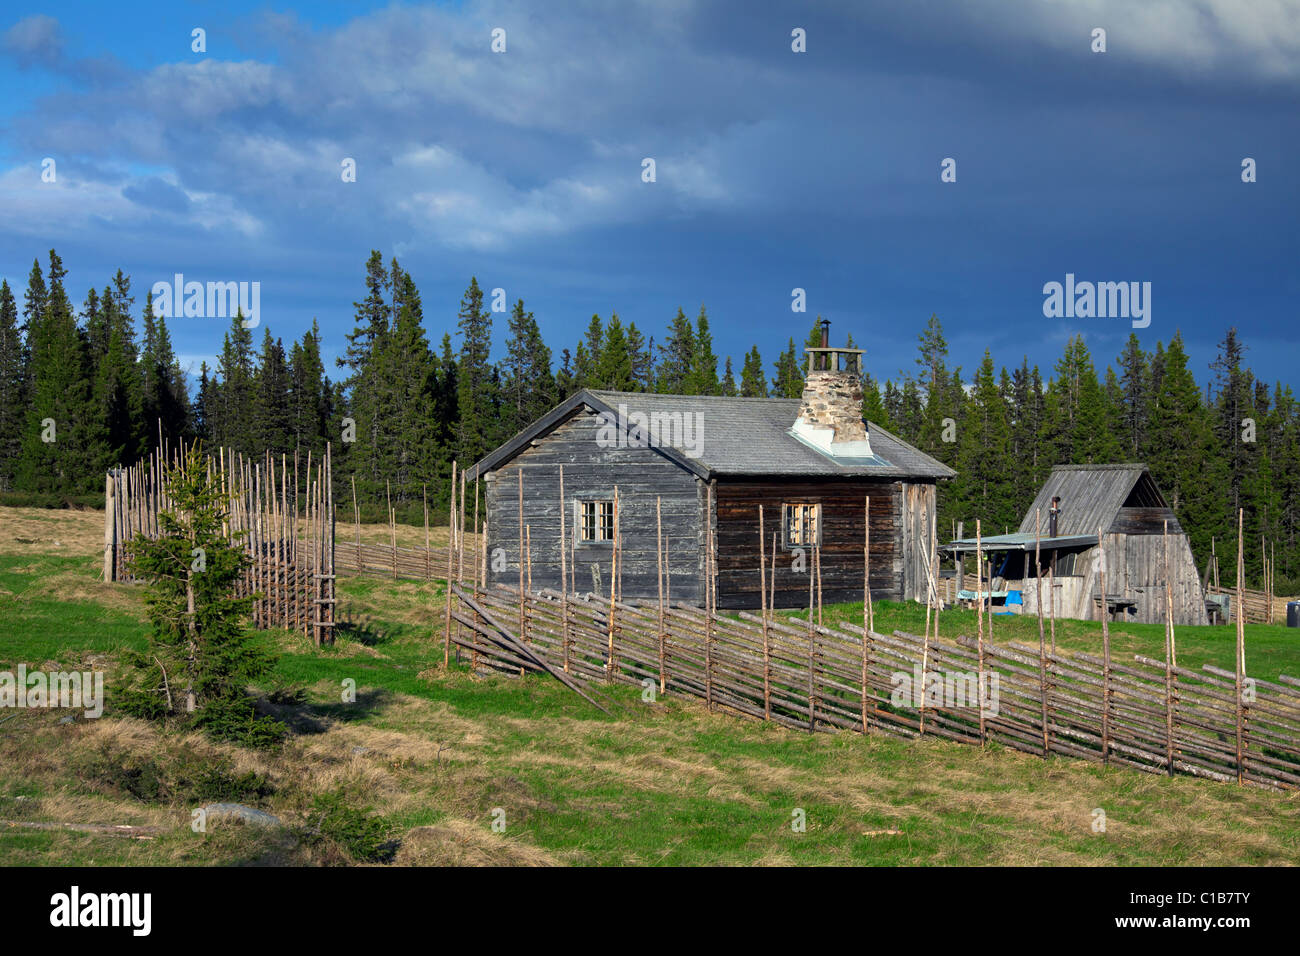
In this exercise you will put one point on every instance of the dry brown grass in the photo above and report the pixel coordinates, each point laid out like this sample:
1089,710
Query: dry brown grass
460,842
53,531
421,755
81,533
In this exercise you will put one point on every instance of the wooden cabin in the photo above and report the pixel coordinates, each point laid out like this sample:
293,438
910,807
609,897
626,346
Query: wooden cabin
1121,502
684,464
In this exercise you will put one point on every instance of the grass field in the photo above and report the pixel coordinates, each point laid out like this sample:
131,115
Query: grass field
434,756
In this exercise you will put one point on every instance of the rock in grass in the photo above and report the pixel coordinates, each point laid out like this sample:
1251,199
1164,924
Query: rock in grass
237,812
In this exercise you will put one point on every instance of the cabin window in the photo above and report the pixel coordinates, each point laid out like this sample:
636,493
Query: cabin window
802,523
595,521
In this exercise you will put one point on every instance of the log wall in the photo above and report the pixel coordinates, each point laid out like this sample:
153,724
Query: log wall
843,513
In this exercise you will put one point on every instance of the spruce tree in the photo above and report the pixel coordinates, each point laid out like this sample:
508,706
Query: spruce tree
1184,459
116,406
703,377
911,414
590,354
528,388
753,384
565,377
813,341
892,399
677,359
788,382
444,412
582,370
941,398
12,387
202,403
984,486
728,386
1135,388
641,356
408,450
934,354
372,319
201,655
614,368
94,324
271,404
309,395
173,400
54,446
873,405
1233,387
234,415
476,398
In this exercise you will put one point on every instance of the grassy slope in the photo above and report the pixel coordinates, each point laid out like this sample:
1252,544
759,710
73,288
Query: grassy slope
436,752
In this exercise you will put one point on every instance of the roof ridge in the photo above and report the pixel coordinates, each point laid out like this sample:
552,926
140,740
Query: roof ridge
725,398
1108,466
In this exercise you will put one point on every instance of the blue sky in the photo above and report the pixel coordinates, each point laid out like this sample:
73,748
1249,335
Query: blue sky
775,169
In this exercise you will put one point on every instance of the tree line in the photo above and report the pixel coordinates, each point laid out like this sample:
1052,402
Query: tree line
1232,442
398,410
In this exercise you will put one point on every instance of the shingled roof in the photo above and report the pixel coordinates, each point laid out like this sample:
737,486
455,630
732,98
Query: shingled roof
739,436
1091,496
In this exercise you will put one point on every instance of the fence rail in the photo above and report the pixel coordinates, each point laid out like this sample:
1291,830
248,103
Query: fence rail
1260,607
422,564
844,678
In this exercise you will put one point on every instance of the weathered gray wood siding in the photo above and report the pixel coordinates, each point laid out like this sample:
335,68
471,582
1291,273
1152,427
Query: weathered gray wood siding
918,504
591,472
1135,569
843,513
1142,576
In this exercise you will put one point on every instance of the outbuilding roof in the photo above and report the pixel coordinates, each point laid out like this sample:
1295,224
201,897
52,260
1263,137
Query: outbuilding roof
1091,496
713,435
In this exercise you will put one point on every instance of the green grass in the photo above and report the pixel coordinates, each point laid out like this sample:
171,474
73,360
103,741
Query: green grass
436,752
1271,649
39,623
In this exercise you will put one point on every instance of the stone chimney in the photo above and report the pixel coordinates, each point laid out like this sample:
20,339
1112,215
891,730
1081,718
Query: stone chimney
830,418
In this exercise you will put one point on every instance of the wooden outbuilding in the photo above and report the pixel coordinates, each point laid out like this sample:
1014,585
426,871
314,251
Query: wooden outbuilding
678,467
1120,501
